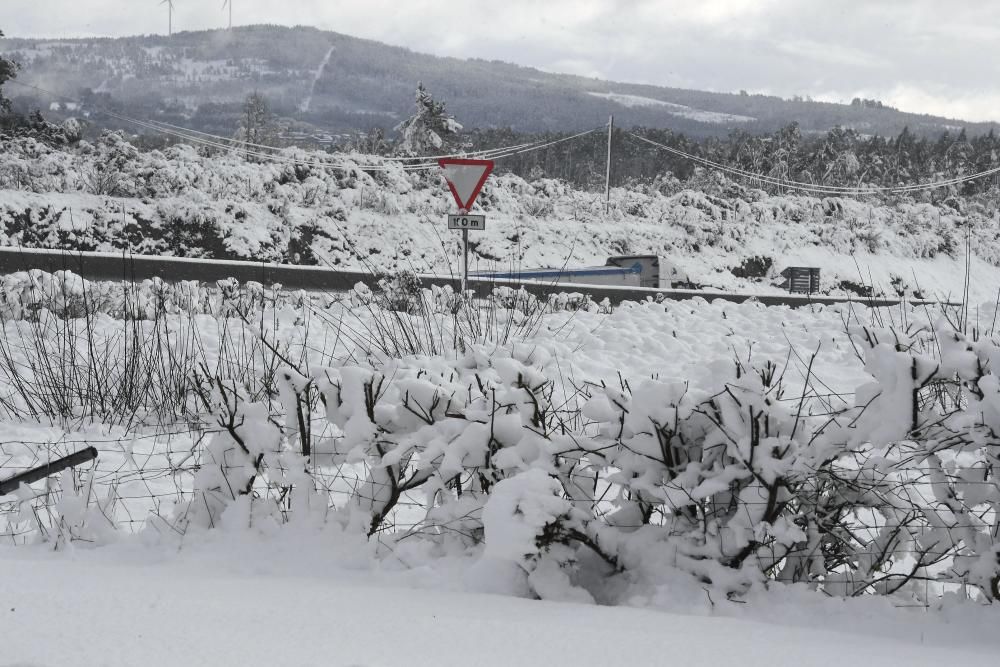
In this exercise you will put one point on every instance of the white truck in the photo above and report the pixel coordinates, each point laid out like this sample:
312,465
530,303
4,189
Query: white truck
622,270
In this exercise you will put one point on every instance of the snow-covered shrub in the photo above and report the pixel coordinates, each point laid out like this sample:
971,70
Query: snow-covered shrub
728,486
529,521
463,433
457,427
721,482
933,422
66,294
252,472
515,299
400,291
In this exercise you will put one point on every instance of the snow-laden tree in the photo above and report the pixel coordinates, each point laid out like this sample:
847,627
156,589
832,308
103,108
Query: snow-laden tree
430,128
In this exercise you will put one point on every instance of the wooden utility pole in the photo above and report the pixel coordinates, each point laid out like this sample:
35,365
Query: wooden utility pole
607,174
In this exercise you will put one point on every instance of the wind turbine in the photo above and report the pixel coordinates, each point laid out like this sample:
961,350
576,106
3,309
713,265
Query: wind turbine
229,3
170,16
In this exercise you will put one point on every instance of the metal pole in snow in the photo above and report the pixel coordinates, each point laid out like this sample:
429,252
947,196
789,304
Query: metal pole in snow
607,174
10,485
465,260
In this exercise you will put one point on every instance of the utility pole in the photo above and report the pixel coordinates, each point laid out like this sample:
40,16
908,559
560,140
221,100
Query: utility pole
607,174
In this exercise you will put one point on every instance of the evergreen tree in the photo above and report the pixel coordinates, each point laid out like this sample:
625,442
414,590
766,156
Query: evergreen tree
430,128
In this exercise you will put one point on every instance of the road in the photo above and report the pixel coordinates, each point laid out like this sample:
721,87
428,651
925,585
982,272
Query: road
110,266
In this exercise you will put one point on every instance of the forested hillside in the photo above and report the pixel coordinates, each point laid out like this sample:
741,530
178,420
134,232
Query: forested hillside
331,83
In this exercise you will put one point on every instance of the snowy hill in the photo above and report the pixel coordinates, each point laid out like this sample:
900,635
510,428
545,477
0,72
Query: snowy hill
108,196
329,83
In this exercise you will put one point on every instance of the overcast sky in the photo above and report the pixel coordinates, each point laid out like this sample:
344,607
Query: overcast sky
933,56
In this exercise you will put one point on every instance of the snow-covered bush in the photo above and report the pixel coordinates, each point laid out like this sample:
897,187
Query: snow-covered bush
65,294
933,420
456,428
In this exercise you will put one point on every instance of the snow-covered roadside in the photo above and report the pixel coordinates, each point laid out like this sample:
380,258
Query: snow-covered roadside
292,603
722,235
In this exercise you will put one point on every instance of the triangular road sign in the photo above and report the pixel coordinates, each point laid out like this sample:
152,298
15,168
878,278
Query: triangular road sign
465,178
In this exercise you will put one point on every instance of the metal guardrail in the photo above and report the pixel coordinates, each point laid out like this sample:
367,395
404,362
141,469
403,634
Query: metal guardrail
112,266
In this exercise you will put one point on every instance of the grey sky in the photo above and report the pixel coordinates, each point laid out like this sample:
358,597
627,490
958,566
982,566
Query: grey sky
933,56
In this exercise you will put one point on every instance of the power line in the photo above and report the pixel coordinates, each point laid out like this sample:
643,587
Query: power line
747,174
395,158
819,189
492,153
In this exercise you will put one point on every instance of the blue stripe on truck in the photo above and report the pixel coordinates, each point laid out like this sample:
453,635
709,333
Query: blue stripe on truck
550,273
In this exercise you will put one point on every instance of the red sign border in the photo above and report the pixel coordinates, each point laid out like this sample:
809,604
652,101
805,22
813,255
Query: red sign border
466,206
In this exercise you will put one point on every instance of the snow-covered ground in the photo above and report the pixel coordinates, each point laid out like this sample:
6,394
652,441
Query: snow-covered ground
297,603
675,109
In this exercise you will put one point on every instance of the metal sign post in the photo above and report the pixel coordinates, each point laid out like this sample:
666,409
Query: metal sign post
465,180
466,222
465,261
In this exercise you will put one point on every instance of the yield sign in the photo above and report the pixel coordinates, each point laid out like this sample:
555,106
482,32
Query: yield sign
465,178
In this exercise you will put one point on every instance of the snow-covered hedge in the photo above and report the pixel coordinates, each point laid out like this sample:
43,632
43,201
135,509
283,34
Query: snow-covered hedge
65,294
480,440
734,485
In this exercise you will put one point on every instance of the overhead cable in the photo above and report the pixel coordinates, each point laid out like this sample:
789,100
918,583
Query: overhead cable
818,188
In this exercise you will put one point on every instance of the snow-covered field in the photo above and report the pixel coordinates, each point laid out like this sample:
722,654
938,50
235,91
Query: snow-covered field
675,109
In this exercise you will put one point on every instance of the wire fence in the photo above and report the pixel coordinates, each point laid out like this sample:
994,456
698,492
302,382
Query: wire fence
146,475
143,481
